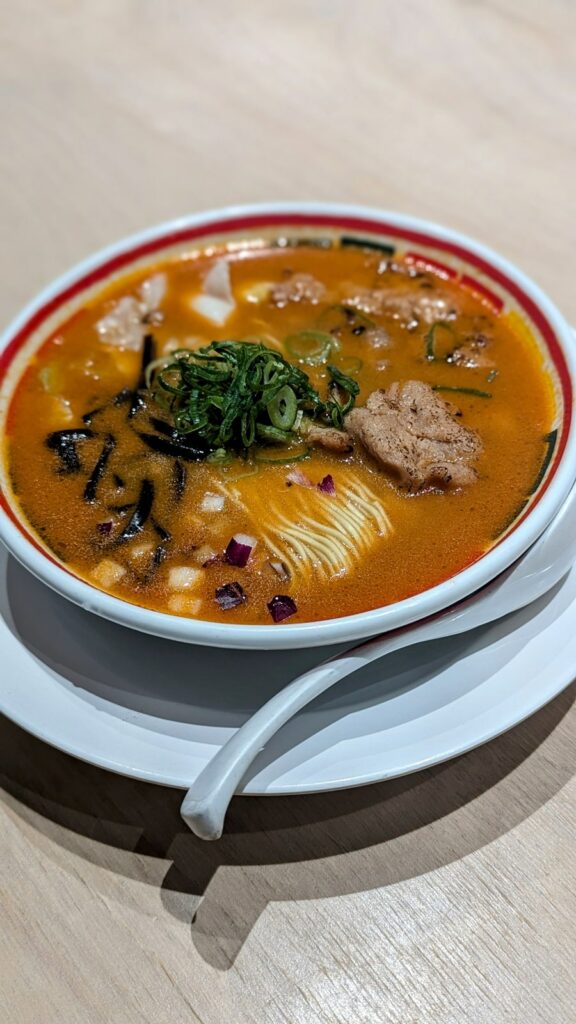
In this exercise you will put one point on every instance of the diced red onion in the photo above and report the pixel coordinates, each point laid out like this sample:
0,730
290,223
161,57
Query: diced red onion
327,485
105,528
281,570
230,596
239,549
296,476
281,607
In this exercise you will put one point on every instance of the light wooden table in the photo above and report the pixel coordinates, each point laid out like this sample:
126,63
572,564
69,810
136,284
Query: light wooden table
448,897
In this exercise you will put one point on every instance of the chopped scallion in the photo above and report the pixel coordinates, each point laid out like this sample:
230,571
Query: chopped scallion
475,392
310,347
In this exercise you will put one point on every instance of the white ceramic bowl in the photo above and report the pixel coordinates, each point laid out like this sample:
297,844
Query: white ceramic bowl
476,267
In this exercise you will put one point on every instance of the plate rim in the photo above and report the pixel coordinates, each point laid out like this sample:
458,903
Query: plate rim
557,681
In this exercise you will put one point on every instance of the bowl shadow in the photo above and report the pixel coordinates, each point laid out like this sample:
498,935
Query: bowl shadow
286,848
277,848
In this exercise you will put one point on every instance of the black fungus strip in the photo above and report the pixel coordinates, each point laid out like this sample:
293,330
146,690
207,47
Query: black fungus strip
73,434
89,416
118,481
191,441
164,534
162,427
136,404
123,396
148,352
126,395
159,555
193,451
367,243
98,471
63,442
550,440
179,479
141,513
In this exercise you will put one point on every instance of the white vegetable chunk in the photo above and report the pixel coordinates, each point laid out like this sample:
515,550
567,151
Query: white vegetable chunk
184,577
182,604
215,310
107,573
141,552
217,281
152,291
212,502
216,301
205,554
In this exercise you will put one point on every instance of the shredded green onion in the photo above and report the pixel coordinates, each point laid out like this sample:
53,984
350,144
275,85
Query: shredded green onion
476,392
220,457
233,395
154,366
431,340
310,347
350,364
348,388
291,455
233,477
283,408
266,433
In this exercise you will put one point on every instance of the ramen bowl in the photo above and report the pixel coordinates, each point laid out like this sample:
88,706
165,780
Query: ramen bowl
502,287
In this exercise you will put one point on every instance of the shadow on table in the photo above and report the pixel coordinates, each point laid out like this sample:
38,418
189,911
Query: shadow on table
286,848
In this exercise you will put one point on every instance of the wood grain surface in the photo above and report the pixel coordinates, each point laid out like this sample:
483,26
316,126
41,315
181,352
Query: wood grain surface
447,897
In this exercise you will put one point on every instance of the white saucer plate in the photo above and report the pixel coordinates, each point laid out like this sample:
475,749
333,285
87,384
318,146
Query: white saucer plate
158,710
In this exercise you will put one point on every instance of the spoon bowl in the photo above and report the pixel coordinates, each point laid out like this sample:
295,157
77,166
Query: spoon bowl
532,575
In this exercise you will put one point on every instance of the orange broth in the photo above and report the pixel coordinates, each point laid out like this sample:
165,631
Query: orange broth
428,536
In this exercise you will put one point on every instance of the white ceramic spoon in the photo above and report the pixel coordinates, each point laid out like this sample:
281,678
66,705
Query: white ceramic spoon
206,802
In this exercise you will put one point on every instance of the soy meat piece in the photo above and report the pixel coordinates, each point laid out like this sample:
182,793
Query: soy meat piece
297,288
415,436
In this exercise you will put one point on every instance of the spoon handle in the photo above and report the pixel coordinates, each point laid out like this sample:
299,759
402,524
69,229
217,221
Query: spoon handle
206,802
